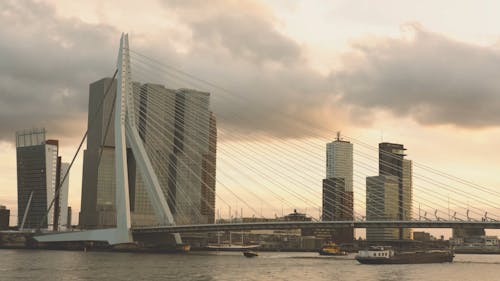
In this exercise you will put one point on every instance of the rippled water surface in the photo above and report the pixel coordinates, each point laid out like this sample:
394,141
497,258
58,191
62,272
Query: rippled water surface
67,265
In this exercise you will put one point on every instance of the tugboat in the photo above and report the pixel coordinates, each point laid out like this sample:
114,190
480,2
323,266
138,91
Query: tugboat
331,249
387,255
250,254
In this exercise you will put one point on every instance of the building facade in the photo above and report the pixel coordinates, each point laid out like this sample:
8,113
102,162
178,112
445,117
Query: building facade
63,198
174,126
393,163
209,173
339,161
337,198
38,171
98,180
382,204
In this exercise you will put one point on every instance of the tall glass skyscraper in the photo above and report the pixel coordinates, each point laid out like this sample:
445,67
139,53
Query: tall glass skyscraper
382,204
38,170
389,195
339,161
337,187
392,163
176,127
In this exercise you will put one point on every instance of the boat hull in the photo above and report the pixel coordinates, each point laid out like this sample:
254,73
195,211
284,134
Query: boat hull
250,254
410,258
231,248
325,253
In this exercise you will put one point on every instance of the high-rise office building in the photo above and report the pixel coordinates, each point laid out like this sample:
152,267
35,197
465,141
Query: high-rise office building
209,173
174,126
61,200
407,184
180,135
62,211
155,108
392,163
339,161
191,143
382,204
98,180
38,171
335,200
337,187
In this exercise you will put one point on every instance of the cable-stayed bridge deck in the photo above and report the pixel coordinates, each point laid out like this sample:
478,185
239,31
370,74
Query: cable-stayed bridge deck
317,225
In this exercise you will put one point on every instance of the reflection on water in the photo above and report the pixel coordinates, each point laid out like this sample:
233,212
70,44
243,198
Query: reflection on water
67,265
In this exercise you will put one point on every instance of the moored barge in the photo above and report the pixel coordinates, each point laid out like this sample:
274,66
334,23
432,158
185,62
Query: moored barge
387,255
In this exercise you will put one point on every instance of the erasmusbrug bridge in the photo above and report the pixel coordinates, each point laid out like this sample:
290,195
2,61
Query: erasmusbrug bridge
438,199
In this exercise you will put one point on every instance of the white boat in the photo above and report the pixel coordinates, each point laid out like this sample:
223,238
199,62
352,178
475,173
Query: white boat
231,247
386,255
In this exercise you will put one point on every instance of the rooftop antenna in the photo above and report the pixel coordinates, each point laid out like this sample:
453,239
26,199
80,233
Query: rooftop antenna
338,136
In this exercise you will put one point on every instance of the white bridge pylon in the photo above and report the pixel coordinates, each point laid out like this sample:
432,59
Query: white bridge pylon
125,133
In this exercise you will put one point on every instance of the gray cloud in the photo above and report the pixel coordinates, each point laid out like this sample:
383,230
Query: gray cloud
246,36
47,64
431,78
244,29
272,90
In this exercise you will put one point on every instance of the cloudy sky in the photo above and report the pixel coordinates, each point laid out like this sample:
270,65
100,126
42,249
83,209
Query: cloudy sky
425,73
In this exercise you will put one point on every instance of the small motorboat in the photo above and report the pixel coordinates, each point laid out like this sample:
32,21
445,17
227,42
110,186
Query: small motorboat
332,249
250,254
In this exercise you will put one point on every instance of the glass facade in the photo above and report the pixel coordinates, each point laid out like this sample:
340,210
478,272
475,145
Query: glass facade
174,126
37,172
381,204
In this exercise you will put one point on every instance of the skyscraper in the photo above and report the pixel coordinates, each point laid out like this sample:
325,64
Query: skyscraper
180,135
392,163
63,198
337,187
339,155
155,114
209,173
382,204
98,180
334,200
38,169
191,144
174,126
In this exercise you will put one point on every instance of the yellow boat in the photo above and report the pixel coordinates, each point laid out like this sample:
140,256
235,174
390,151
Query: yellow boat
332,249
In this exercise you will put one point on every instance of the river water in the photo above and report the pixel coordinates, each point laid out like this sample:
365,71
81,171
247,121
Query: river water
68,265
